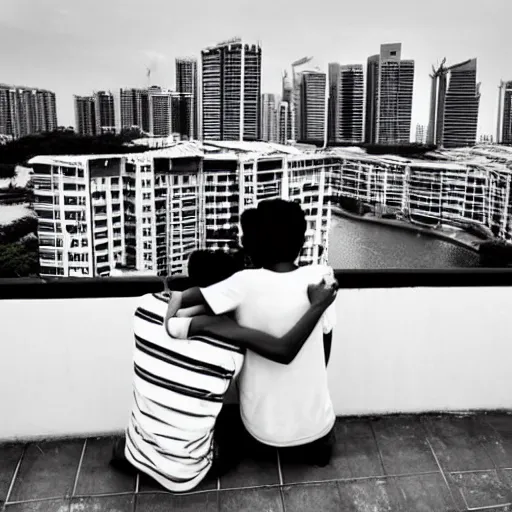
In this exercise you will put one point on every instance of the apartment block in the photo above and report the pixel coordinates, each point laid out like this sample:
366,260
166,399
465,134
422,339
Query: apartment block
269,118
186,84
231,85
149,211
454,105
389,93
313,106
346,103
104,112
85,115
504,128
26,110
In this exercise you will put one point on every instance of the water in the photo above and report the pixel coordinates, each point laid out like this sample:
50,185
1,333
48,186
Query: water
360,245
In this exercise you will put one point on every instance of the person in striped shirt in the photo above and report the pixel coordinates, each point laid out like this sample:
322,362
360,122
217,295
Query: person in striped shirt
182,373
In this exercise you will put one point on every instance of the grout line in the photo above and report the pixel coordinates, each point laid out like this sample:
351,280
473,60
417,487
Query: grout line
489,507
442,471
75,484
36,500
103,494
279,468
137,483
15,475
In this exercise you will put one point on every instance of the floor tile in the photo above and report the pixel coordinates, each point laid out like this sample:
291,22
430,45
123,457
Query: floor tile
481,489
379,495
96,475
499,445
428,493
48,470
403,446
252,471
103,504
9,456
40,506
203,502
268,500
355,454
312,497
458,443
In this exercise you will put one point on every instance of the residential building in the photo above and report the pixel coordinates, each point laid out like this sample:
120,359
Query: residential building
186,84
313,106
298,67
346,103
160,112
421,134
182,106
504,128
104,112
486,139
26,110
149,211
389,92
85,115
284,123
269,118
231,98
454,105
134,109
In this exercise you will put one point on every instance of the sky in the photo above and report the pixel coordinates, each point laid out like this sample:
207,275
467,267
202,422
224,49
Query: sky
75,47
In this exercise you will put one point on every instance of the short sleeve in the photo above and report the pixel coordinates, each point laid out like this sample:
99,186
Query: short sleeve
179,327
227,295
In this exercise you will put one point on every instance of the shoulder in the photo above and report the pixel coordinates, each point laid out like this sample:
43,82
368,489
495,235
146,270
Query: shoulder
152,302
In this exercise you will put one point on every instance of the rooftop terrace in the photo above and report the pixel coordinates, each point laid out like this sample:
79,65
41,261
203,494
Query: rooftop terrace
398,464
419,377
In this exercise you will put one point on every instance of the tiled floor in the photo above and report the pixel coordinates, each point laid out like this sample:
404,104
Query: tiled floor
392,464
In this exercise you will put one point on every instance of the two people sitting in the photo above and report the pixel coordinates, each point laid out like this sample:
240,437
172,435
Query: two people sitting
264,325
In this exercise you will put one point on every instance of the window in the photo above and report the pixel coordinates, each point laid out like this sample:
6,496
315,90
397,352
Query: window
146,196
146,208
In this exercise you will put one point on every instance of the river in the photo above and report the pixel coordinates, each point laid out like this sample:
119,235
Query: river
361,245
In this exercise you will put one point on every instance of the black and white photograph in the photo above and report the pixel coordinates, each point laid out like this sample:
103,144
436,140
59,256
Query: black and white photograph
255,256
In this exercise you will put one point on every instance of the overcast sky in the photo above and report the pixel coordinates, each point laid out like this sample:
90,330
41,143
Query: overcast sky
75,47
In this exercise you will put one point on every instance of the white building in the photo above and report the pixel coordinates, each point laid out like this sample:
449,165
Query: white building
149,211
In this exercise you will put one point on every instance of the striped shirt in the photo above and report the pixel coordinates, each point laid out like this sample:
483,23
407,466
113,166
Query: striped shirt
179,387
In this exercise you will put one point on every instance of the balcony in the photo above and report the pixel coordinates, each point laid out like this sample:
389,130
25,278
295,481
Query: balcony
419,375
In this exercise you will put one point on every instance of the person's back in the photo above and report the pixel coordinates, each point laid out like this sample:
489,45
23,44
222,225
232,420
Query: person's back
280,405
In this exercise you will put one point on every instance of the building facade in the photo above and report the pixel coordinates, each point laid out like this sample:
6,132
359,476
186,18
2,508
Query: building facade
149,211
454,105
134,109
231,91
421,134
26,110
389,93
504,128
313,106
85,115
346,103
186,84
269,118
104,105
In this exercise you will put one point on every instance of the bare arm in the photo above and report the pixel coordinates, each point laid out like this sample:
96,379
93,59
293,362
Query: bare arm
182,300
281,350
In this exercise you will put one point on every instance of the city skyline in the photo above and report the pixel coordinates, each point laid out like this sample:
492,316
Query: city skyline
66,48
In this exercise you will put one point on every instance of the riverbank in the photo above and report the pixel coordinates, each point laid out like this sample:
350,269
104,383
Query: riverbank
452,235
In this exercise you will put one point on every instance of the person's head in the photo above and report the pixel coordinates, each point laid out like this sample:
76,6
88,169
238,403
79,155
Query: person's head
250,234
280,231
207,267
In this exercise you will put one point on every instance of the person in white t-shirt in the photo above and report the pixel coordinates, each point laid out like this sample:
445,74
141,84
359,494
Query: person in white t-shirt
280,406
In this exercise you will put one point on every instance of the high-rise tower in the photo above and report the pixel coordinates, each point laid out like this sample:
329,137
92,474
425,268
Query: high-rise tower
85,115
269,118
454,105
312,103
26,110
231,83
186,85
504,128
346,103
389,91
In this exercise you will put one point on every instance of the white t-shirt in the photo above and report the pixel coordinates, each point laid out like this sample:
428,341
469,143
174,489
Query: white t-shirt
281,405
